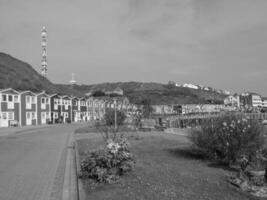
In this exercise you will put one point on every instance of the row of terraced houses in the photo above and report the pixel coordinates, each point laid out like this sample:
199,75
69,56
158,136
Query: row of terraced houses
23,108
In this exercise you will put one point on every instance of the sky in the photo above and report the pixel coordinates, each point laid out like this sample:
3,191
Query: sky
217,43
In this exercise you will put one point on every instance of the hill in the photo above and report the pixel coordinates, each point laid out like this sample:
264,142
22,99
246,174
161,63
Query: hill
158,93
19,75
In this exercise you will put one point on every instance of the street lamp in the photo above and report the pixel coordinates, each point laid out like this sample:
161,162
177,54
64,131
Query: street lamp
115,113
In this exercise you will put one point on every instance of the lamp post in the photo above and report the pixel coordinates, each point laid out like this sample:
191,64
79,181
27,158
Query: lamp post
115,114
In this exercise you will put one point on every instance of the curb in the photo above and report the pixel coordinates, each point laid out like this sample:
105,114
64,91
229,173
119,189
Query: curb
70,186
81,192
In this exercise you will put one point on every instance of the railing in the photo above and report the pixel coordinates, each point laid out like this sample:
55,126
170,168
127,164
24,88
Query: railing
183,121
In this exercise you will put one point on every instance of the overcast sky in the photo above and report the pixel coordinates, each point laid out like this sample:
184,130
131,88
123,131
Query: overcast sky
219,43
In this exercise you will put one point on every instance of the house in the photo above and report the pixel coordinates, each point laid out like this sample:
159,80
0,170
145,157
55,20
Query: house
9,107
75,110
55,101
43,108
250,99
116,91
65,109
232,100
189,85
28,108
83,109
264,102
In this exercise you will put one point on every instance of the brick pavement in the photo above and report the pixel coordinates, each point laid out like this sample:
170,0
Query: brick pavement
32,163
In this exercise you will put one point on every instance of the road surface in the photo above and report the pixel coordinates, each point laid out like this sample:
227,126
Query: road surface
32,163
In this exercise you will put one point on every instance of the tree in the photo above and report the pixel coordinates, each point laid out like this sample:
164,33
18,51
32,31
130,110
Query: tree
110,117
147,108
98,93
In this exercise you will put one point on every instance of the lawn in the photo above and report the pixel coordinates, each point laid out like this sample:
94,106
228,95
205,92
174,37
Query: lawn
164,169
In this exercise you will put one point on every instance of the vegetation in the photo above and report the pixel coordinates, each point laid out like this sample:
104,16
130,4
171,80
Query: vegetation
108,164
228,138
21,76
109,117
98,93
147,107
165,169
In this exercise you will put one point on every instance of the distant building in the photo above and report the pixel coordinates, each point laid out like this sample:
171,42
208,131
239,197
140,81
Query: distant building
250,99
264,102
232,100
117,91
189,85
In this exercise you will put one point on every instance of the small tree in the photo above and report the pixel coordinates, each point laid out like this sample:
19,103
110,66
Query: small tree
147,108
98,93
110,117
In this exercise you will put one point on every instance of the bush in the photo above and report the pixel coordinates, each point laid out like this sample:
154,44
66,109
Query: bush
228,137
108,164
109,117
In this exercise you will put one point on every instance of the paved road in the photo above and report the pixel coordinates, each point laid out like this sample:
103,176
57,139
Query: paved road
32,163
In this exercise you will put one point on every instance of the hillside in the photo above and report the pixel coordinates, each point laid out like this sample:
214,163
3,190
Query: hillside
158,93
21,76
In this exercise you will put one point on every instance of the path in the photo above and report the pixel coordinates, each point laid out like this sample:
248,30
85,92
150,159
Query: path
32,163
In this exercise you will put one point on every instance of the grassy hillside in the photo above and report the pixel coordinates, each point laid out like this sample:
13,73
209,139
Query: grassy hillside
158,93
21,76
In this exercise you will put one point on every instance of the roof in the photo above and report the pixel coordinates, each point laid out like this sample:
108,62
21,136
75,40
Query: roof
28,91
7,89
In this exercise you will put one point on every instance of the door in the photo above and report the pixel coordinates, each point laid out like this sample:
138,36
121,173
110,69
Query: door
43,118
28,118
3,120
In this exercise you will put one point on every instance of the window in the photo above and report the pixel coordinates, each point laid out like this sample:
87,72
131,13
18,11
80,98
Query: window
55,101
4,115
33,115
10,115
56,115
43,100
28,115
28,99
16,98
10,98
33,99
4,97
47,115
46,100
43,115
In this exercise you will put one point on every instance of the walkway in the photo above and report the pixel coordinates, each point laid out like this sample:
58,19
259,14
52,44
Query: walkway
32,162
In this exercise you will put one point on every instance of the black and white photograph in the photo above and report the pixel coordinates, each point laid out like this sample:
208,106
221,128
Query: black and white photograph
133,99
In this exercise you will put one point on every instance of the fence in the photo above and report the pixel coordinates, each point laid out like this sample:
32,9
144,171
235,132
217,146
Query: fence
183,121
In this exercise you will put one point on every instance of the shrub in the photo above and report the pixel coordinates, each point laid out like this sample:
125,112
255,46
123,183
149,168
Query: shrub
109,117
228,137
108,164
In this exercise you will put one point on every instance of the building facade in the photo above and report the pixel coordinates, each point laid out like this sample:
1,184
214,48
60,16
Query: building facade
9,108
43,108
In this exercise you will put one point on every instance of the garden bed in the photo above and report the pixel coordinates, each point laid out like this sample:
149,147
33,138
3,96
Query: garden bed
165,169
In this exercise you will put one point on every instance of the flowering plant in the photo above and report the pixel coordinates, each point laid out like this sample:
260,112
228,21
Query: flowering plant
227,137
109,163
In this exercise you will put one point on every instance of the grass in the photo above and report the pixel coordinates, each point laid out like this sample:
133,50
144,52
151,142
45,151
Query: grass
165,169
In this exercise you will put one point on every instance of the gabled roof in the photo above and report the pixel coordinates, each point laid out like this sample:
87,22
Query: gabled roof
28,91
43,93
9,89
82,98
65,97
52,95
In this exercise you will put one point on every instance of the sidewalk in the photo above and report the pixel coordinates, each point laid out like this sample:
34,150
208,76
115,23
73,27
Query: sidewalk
15,130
